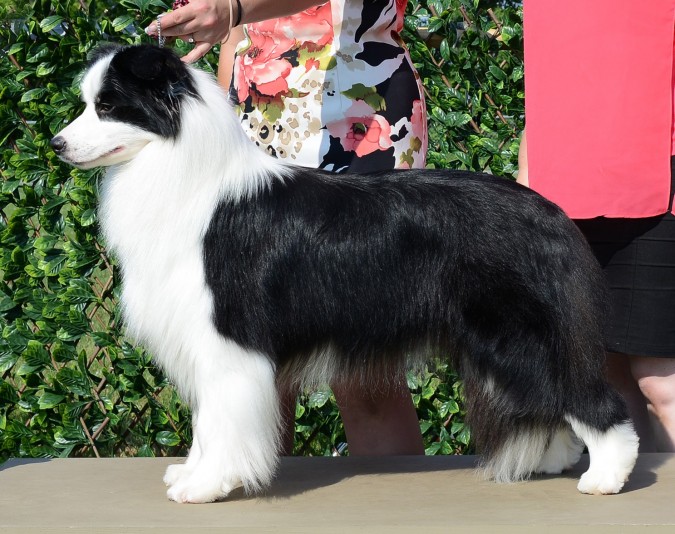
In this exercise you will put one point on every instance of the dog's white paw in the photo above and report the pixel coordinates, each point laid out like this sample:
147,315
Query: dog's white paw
598,482
196,493
612,455
200,489
174,473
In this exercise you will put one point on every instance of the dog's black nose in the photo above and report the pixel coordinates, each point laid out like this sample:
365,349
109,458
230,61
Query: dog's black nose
58,143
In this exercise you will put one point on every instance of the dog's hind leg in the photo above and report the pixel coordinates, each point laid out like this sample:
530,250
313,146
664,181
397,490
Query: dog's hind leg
563,452
511,444
236,424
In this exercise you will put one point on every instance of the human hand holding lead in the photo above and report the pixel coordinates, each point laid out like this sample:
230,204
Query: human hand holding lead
208,22
204,22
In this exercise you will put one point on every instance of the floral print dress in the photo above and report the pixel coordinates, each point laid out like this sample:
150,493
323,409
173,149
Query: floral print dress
332,87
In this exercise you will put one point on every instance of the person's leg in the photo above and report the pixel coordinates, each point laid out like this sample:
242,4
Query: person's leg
380,422
656,380
620,376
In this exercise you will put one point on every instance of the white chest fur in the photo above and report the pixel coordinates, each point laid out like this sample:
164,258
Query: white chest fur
154,222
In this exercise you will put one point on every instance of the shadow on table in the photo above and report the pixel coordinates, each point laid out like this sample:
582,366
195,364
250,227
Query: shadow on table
18,462
298,475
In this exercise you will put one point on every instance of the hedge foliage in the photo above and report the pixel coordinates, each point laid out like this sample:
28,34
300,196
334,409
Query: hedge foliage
70,383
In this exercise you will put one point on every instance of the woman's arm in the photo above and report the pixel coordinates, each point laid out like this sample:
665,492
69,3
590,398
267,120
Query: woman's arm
226,61
208,21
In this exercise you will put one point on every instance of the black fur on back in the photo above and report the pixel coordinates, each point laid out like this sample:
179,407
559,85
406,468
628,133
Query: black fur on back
397,266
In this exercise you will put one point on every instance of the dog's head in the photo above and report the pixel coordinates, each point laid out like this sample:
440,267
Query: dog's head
133,96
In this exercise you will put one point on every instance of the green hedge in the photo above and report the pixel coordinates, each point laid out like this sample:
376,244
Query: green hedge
70,384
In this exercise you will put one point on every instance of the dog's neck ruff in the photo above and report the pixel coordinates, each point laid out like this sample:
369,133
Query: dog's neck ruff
210,149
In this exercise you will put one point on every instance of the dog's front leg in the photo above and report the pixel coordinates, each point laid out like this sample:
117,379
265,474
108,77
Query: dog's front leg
175,473
236,426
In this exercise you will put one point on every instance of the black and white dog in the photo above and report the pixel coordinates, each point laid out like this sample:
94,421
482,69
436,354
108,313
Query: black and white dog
239,270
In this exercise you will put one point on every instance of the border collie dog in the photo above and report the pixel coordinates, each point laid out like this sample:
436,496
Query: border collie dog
241,272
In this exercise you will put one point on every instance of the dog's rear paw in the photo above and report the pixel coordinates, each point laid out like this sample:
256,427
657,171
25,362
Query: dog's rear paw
597,482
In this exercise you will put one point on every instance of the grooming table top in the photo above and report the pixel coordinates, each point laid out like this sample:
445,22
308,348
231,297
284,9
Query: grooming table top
340,495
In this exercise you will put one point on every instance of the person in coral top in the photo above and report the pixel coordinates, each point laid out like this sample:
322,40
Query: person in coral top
599,111
326,86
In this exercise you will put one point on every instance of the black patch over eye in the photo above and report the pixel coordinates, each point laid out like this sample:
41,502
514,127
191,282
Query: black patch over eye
144,86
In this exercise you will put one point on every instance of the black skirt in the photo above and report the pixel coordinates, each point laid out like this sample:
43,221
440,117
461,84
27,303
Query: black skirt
638,257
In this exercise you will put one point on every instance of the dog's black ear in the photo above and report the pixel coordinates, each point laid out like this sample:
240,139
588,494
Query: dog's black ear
102,50
150,63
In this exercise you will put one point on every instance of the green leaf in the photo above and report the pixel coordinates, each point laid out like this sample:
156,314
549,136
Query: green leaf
44,69
88,217
33,94
74,381
433,449
445,50
448,407
49,23
35,358
461,432
319,398
145,451
79,292
497,72
49,400
45,243
6,302
36,54
168,439
16,47
120,23
54,265
103,339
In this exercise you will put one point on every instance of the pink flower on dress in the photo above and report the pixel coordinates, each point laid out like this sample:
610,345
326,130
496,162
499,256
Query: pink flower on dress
261,64
313,27
362,130
400,13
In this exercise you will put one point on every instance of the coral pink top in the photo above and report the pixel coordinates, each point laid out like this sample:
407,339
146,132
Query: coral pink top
599,104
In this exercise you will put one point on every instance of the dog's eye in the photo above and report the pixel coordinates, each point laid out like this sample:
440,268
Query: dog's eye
104,107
